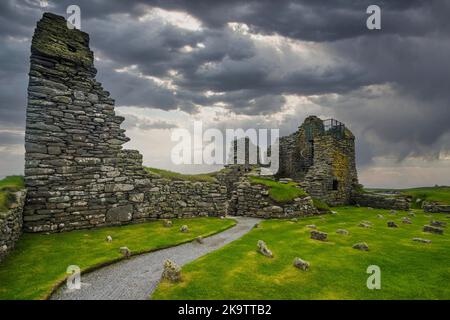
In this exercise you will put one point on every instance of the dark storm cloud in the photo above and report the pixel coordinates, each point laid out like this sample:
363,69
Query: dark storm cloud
409,56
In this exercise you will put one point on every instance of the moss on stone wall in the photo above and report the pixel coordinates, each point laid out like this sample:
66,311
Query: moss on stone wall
55,40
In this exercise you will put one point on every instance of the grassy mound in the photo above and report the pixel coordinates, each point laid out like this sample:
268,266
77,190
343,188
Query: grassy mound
280,192
8,186
409,269
203,177
40,261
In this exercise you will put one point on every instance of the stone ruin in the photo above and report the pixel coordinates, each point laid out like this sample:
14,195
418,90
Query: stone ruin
76,171
79,176
321,155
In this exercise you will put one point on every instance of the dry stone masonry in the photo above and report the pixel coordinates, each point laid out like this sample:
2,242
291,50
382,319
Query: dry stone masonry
76,172
11,224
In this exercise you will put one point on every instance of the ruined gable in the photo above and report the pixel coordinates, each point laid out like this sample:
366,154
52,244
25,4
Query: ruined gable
76,172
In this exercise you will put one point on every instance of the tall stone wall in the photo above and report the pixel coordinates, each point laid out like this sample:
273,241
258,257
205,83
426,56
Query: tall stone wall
76,171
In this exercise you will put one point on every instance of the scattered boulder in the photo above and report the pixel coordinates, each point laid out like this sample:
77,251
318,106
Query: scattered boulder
172,271
380,216
262,248
431,229
222,217
364,225
333,213
294,220
411,214
342,231
184,228
301,264
394,212
199,239
392,224
167,223
256,225
439,224
311,226
361,246
406,220
422,240
318,235
125,252
108,239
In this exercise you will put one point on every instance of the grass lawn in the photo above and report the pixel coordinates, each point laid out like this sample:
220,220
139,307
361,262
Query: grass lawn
40,261
203,177
409,270
280,192
7,186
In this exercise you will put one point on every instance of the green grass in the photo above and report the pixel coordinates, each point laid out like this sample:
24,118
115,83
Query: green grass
203,177
39,261
280,192
409,270
9,185
436,194
320,205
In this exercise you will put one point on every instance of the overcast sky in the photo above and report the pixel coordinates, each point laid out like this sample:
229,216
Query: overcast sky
263,64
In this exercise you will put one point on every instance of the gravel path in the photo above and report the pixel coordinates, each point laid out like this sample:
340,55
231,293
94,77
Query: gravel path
137,278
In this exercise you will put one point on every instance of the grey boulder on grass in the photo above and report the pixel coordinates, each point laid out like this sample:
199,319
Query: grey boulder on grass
172,271
301,264
167,223
361,246
125,252
432,229
262,248
184,228
318,235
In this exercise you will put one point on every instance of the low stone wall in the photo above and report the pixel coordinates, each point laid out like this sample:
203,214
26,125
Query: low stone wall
176,199
252,200
11,225
382,201
435,207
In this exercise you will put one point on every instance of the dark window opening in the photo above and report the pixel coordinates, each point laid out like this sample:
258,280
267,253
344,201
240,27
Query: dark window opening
335,184
71,48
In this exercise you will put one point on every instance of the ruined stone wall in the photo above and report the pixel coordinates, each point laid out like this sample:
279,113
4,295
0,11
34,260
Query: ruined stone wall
332,177
76,172
11,225
322,160
381,201
429,206
252,200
